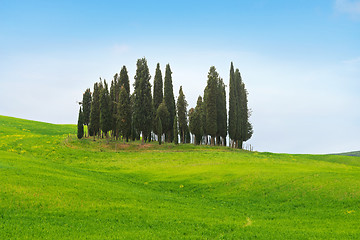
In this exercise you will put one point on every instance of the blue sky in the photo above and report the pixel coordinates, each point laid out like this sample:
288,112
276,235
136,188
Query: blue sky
300,60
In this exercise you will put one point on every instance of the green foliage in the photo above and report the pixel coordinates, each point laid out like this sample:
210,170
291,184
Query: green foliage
176,132
86,105
232,104
169,101
124,114
159,129
114,100
158,88
105,111
56,187
80,125
240,129
196,121
221,112
239,108
163,114
124,80
210,97
143,109
94,128
182,114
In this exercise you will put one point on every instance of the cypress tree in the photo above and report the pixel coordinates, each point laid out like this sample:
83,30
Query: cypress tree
124,114
86,105
159,129
239,109
135,134
158,88
105,111
176,132
196,121
114,99
187,135
221,113
182,114
95,111
247,129
210,103
143,109
169,101
124,80
80,125
126,105
157,93
232,105
163,114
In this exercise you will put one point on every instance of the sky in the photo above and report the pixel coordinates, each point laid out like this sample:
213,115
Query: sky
299,60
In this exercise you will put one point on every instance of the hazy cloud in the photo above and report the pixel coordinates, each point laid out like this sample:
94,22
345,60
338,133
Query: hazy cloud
348,7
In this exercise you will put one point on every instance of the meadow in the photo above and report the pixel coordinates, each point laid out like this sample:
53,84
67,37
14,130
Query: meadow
54,186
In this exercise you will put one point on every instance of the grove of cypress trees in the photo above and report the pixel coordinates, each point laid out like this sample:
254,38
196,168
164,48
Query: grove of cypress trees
143,110
105,111
210,104
240,129
80,125
182,114
86,105
169,101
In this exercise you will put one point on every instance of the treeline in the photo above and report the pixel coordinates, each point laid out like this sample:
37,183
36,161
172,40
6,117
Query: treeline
152,113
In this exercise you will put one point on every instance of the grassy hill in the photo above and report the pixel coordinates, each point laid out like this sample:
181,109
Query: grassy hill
354,154
53,186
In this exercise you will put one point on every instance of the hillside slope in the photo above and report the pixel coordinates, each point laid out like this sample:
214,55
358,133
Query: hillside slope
54,186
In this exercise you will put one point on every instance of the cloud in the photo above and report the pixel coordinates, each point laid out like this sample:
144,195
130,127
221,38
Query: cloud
121,49
350,7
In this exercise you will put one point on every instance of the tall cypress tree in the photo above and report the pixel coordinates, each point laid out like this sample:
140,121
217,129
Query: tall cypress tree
221,113
210,103
86,104
80,125
169,101
114,99
246,128
124,80
124,114
158,88
157,94
239,109
232,105
143,109
182,114
105,111
95,111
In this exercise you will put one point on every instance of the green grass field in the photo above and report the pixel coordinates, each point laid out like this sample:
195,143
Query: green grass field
53,186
